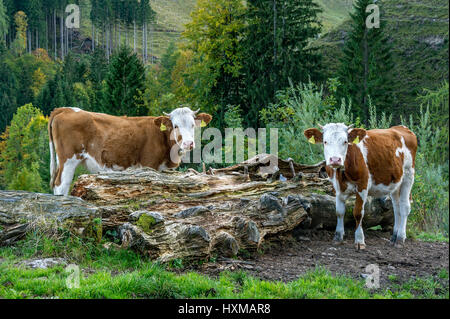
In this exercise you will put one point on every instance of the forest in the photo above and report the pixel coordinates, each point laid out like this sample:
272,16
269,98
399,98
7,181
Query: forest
259,64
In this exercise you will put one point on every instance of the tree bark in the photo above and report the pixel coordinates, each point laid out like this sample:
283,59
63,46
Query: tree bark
172,214
61,27
134,35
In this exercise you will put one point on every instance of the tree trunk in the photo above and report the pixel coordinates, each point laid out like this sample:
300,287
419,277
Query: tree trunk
134,35
172,214
61,27
119,44
24,212
366,74
93,37
54,34
143,42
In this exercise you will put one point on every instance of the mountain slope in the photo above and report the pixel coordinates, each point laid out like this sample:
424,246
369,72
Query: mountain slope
418,30
334,12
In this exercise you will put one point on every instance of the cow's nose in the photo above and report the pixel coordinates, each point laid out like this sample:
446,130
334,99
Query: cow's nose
335,161
188,145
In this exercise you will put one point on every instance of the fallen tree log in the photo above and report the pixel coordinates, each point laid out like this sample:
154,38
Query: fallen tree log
190,215
21,212
173,214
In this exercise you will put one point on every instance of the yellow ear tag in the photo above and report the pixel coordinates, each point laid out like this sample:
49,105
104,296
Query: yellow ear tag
356,140
202,124
312,140
162,127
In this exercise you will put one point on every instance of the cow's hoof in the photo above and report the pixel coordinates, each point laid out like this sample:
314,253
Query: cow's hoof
338,242
393,239
338,239
359,246
399,243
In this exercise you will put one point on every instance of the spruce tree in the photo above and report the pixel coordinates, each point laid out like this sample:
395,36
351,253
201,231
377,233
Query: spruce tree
4,22
365,71
124,85
277,49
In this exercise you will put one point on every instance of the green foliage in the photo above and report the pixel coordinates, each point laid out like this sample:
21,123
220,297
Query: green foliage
430,207
124,85
277,49
24,161
298,108
434,124
159,93
233,116
27,179
19,44
214,37
366,65
4,23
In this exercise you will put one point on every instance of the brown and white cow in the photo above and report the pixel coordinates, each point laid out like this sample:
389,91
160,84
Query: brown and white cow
103,142
374,163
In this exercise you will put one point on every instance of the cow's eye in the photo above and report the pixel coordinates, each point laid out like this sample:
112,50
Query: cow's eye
176,126
325,143
345,142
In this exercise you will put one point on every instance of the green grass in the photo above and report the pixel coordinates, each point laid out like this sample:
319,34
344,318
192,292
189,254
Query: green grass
431,237
117,273
171,16
334,12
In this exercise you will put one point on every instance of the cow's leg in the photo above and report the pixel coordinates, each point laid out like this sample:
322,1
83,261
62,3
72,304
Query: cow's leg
358,213
405,205
340,213
395,197
65,174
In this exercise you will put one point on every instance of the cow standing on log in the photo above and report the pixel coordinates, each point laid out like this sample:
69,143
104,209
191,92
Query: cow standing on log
376,162
103,142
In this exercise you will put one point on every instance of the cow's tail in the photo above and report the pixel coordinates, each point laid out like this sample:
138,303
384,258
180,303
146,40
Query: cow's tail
53,162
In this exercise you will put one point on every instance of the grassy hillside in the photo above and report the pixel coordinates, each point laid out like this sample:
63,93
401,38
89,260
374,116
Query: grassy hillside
172,15
418,30
334,12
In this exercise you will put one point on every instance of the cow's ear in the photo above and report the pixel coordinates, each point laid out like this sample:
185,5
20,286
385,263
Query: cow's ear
356,135
313,135
203,119
163,122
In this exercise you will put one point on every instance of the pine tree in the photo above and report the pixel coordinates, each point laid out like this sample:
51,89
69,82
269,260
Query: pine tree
277,50
8,91
365,71
4,22
214,37
20,42
124,85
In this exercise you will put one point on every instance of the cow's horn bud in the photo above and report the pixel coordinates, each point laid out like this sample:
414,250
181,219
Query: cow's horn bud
195,112
350,126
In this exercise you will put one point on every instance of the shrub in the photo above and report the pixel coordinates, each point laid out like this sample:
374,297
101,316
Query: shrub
24,160
298,108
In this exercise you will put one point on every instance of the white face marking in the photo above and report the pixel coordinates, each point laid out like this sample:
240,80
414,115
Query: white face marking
335,144
183,123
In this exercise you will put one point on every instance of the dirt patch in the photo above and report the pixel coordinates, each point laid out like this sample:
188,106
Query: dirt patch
288,260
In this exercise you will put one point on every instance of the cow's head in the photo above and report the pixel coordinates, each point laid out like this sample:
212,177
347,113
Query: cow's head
336,138
180,125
